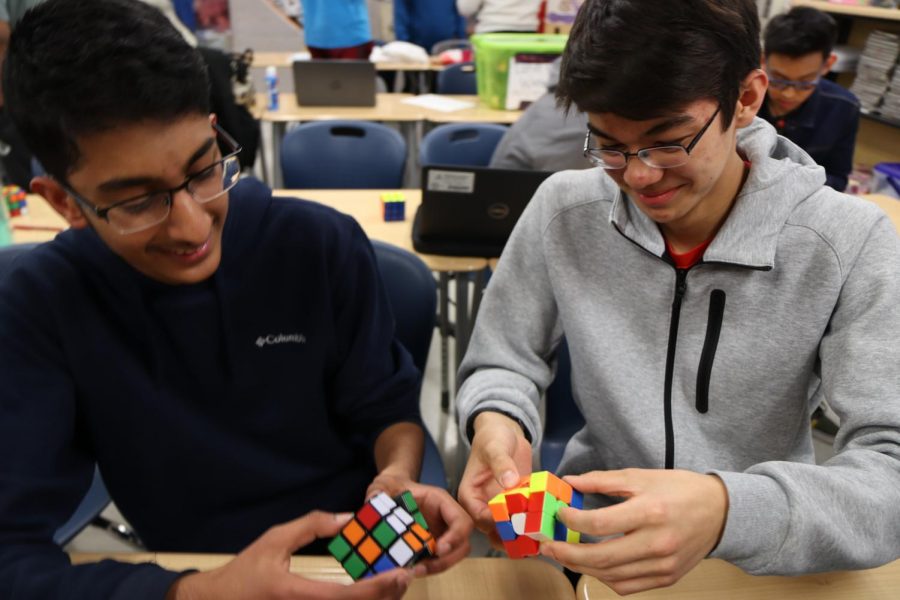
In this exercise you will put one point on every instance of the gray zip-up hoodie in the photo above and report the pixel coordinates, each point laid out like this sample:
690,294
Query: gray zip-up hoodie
796,299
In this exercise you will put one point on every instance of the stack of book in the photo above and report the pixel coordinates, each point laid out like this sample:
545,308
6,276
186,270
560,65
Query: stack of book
876,65
890,107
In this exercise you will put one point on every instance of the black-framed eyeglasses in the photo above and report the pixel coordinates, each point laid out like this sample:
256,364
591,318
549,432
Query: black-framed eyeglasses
783,84
659,157
146,210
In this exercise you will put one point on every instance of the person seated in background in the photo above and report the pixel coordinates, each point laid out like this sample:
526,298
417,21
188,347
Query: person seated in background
545,138
711,291
818,115
226,358
501,16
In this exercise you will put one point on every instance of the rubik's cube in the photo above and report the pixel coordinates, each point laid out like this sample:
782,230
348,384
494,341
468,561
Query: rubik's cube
526,515
385,534
14,196
393,206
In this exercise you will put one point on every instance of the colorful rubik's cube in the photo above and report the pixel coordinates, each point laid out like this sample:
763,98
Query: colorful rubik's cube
393,206
14,196
526,515
385,534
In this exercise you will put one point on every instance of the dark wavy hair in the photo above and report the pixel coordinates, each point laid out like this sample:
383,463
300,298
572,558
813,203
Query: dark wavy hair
800,31
641,59
78,67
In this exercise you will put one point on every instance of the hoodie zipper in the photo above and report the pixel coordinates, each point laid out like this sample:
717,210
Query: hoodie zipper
710,344
680,289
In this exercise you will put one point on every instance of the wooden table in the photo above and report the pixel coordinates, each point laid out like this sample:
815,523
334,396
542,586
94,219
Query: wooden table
42,222
286,59
719,580
494,578
889,205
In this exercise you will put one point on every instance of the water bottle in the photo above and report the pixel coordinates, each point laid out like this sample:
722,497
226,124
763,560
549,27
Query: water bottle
272,87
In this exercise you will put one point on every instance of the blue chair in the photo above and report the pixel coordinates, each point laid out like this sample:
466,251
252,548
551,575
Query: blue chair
466,144
97,497
413,295
343,154
563,418
457,79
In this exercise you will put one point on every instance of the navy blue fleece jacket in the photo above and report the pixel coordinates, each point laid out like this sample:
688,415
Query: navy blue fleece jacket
213,410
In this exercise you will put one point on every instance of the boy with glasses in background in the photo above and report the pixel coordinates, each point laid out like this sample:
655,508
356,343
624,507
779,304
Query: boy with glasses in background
818,115
226,358
711,291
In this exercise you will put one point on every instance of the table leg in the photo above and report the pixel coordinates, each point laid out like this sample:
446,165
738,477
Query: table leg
463,328
278,129
444,331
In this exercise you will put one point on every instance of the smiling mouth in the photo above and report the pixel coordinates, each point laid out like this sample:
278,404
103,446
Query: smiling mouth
190,254
656,199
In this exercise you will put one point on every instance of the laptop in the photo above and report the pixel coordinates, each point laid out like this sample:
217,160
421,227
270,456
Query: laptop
334,82
470,211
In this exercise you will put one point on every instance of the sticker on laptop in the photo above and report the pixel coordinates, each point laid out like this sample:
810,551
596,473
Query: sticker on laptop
459,182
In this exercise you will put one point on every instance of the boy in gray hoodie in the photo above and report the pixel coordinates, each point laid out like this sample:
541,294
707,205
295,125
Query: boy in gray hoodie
712,291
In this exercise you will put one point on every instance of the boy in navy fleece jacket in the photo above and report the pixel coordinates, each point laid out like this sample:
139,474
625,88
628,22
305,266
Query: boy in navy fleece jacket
226,358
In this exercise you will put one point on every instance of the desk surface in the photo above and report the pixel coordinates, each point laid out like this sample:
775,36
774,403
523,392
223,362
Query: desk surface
388,107
889,205
716,579
495,578
285,59
365,207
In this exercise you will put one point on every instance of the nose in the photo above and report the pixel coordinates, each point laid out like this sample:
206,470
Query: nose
188,221
789,91
639,175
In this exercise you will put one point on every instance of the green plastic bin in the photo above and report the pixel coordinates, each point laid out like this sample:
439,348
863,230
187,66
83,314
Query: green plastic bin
493,52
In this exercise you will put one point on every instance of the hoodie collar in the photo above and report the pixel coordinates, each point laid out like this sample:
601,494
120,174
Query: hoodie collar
781,176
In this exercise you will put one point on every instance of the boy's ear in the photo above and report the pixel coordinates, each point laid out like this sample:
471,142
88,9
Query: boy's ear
60,200
829,62
753,94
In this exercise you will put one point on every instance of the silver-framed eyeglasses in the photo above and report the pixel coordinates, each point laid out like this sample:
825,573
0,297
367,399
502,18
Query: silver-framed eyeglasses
143,212
663,156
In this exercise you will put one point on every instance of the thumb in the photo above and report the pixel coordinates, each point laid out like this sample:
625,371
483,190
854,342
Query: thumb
295,534
503,467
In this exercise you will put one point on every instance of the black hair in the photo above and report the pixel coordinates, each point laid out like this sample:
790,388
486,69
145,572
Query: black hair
79,67
800,31
641,59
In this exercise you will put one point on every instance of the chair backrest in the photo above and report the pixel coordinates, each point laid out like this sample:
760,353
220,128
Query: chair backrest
457,79
451,44
343,154
464,144
413,296
563,418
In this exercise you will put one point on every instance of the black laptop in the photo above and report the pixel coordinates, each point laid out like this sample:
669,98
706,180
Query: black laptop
334,82
470,211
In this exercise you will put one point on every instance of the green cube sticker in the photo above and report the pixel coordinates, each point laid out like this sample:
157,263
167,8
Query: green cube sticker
409,502
384,534
420,520
355,566
339,548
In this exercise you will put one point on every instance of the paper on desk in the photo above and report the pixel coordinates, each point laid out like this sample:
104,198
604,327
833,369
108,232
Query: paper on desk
437,102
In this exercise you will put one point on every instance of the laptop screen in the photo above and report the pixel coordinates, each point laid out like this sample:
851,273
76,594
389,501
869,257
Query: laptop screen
334,82
470,211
